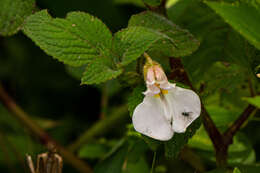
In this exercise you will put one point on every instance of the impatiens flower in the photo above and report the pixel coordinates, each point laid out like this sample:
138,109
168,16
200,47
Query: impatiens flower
166,108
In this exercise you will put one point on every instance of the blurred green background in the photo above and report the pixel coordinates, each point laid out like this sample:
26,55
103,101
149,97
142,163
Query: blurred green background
45,89
51,93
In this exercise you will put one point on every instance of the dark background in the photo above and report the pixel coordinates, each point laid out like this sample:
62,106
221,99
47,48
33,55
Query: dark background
47,91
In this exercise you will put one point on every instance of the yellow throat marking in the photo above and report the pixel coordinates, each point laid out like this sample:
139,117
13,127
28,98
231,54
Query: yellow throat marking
164,92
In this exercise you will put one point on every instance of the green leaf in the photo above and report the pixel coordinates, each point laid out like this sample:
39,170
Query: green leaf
177,7
128,151
177,42
222,64
135,98
174,146
76,40
152,143
227,78
253,100
13,13
219,42
92,151
242,16
137,148
139,167
97,71
222,116
114,163
257,71
241,151
130,78
252,168
201,140
132,42
117,146
236,170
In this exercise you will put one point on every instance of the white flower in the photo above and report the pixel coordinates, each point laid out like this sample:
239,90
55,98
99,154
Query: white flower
166,108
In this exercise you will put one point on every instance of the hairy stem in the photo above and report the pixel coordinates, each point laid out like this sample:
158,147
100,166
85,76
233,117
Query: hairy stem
45,139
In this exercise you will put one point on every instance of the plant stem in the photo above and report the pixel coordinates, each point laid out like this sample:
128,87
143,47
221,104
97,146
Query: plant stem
221,156
101,127
148,59
153,163
220,141
231,131
251,87
158,9
45,139
178,73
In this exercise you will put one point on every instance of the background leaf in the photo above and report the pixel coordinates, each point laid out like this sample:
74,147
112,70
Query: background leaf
236,170
114,163
240,15
92,151
253,100
240,151
125,157
13,13
177,42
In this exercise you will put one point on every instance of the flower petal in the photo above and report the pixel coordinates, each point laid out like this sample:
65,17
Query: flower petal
152,90
185,107
167,85
150,76
148,119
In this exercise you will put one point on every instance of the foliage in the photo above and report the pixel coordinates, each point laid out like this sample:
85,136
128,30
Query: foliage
177,42
101,44
13,13
240,15
253,100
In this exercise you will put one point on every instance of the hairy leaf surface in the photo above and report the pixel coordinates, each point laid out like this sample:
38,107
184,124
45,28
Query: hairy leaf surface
75,40
13,14
177,42
242,16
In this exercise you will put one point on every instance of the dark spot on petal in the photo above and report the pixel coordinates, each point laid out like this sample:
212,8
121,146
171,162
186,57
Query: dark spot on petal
186,114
